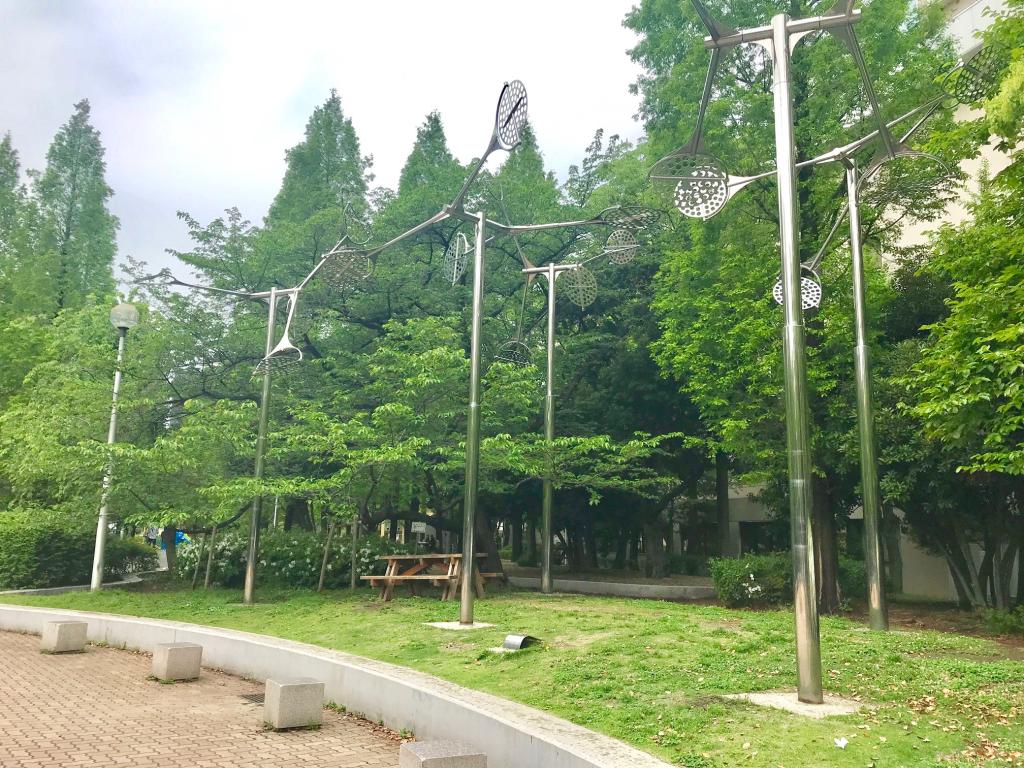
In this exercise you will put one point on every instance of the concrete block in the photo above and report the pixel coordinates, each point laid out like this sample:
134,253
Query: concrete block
63,636
177,661
440,754
293,702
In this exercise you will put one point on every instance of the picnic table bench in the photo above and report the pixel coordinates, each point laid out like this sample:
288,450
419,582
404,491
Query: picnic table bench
439,570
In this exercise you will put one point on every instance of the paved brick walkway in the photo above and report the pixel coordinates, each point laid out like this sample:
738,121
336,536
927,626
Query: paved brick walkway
97,709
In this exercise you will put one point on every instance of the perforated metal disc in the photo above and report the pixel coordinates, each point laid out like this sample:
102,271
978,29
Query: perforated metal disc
346,268
630,216
580,286
455,258
810,292
700,183
978,78
279,362
621,246
514,352
511,116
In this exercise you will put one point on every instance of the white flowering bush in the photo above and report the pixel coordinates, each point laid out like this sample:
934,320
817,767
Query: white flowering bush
289,558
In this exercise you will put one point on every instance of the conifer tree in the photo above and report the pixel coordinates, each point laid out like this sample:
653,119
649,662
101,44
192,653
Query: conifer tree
76,230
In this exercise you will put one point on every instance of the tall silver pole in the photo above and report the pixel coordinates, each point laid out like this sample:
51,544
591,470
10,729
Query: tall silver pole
878,617
473,430
798,444
101,524
549,440
261,445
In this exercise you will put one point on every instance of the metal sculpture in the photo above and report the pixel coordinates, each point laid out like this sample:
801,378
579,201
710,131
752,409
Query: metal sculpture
621,246
580,286
701,195
284,354
455,258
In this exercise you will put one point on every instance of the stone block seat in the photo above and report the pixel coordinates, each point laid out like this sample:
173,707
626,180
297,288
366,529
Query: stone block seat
63,637
177,661
440,754
293,702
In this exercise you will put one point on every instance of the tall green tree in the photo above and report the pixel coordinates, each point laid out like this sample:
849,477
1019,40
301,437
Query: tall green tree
77,232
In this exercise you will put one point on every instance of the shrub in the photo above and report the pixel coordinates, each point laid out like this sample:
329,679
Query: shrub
38,549
288,558
1009,622
686,565
768,579
753,579
124,556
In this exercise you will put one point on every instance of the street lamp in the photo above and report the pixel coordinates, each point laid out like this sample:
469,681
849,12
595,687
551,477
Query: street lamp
122,317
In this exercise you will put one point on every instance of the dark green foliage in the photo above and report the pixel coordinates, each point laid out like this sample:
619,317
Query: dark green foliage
41,550
768,579
127,556
753,579
686,565
287,558
1009,622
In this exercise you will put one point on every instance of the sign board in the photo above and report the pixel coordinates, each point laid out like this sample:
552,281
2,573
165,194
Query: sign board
419,527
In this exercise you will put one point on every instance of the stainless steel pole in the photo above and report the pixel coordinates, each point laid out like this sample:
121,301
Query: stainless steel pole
261,445
549,440
473,430
878,616
798,443
96,583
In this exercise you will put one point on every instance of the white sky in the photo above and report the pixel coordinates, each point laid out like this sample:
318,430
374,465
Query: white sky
197,100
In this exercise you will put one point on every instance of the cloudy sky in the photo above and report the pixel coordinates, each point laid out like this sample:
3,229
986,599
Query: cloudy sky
197,100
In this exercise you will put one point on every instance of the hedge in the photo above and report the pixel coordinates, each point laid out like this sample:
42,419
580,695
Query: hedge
38,550
768,579
288,558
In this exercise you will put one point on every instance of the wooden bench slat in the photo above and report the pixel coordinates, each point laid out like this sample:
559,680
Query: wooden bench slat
415,577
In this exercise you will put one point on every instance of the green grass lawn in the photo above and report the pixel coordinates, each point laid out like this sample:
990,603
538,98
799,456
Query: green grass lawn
652,673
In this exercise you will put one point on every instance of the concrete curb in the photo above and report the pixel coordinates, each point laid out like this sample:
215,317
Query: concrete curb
512,735
131,578
621,589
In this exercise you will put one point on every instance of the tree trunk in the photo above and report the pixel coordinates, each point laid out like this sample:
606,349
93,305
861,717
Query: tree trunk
725,548
327,554
591,546
485,543
393,529
199,560
168,536
826,559
655,548
209,557
516,524
531,541
893,555
619,563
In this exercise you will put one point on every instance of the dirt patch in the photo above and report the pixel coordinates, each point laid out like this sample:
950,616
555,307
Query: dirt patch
949,619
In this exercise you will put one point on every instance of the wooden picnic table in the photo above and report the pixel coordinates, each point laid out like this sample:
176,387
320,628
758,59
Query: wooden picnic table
439,570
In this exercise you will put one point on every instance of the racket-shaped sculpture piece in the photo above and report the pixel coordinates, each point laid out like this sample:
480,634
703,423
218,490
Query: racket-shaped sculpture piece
580,286
285,354
509,122
810,289
629,216
515,352
901,180
621,246
346,266
456,257
978,77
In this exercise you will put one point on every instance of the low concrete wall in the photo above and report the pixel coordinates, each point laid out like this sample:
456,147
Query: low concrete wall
131,578
512,735
621,589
